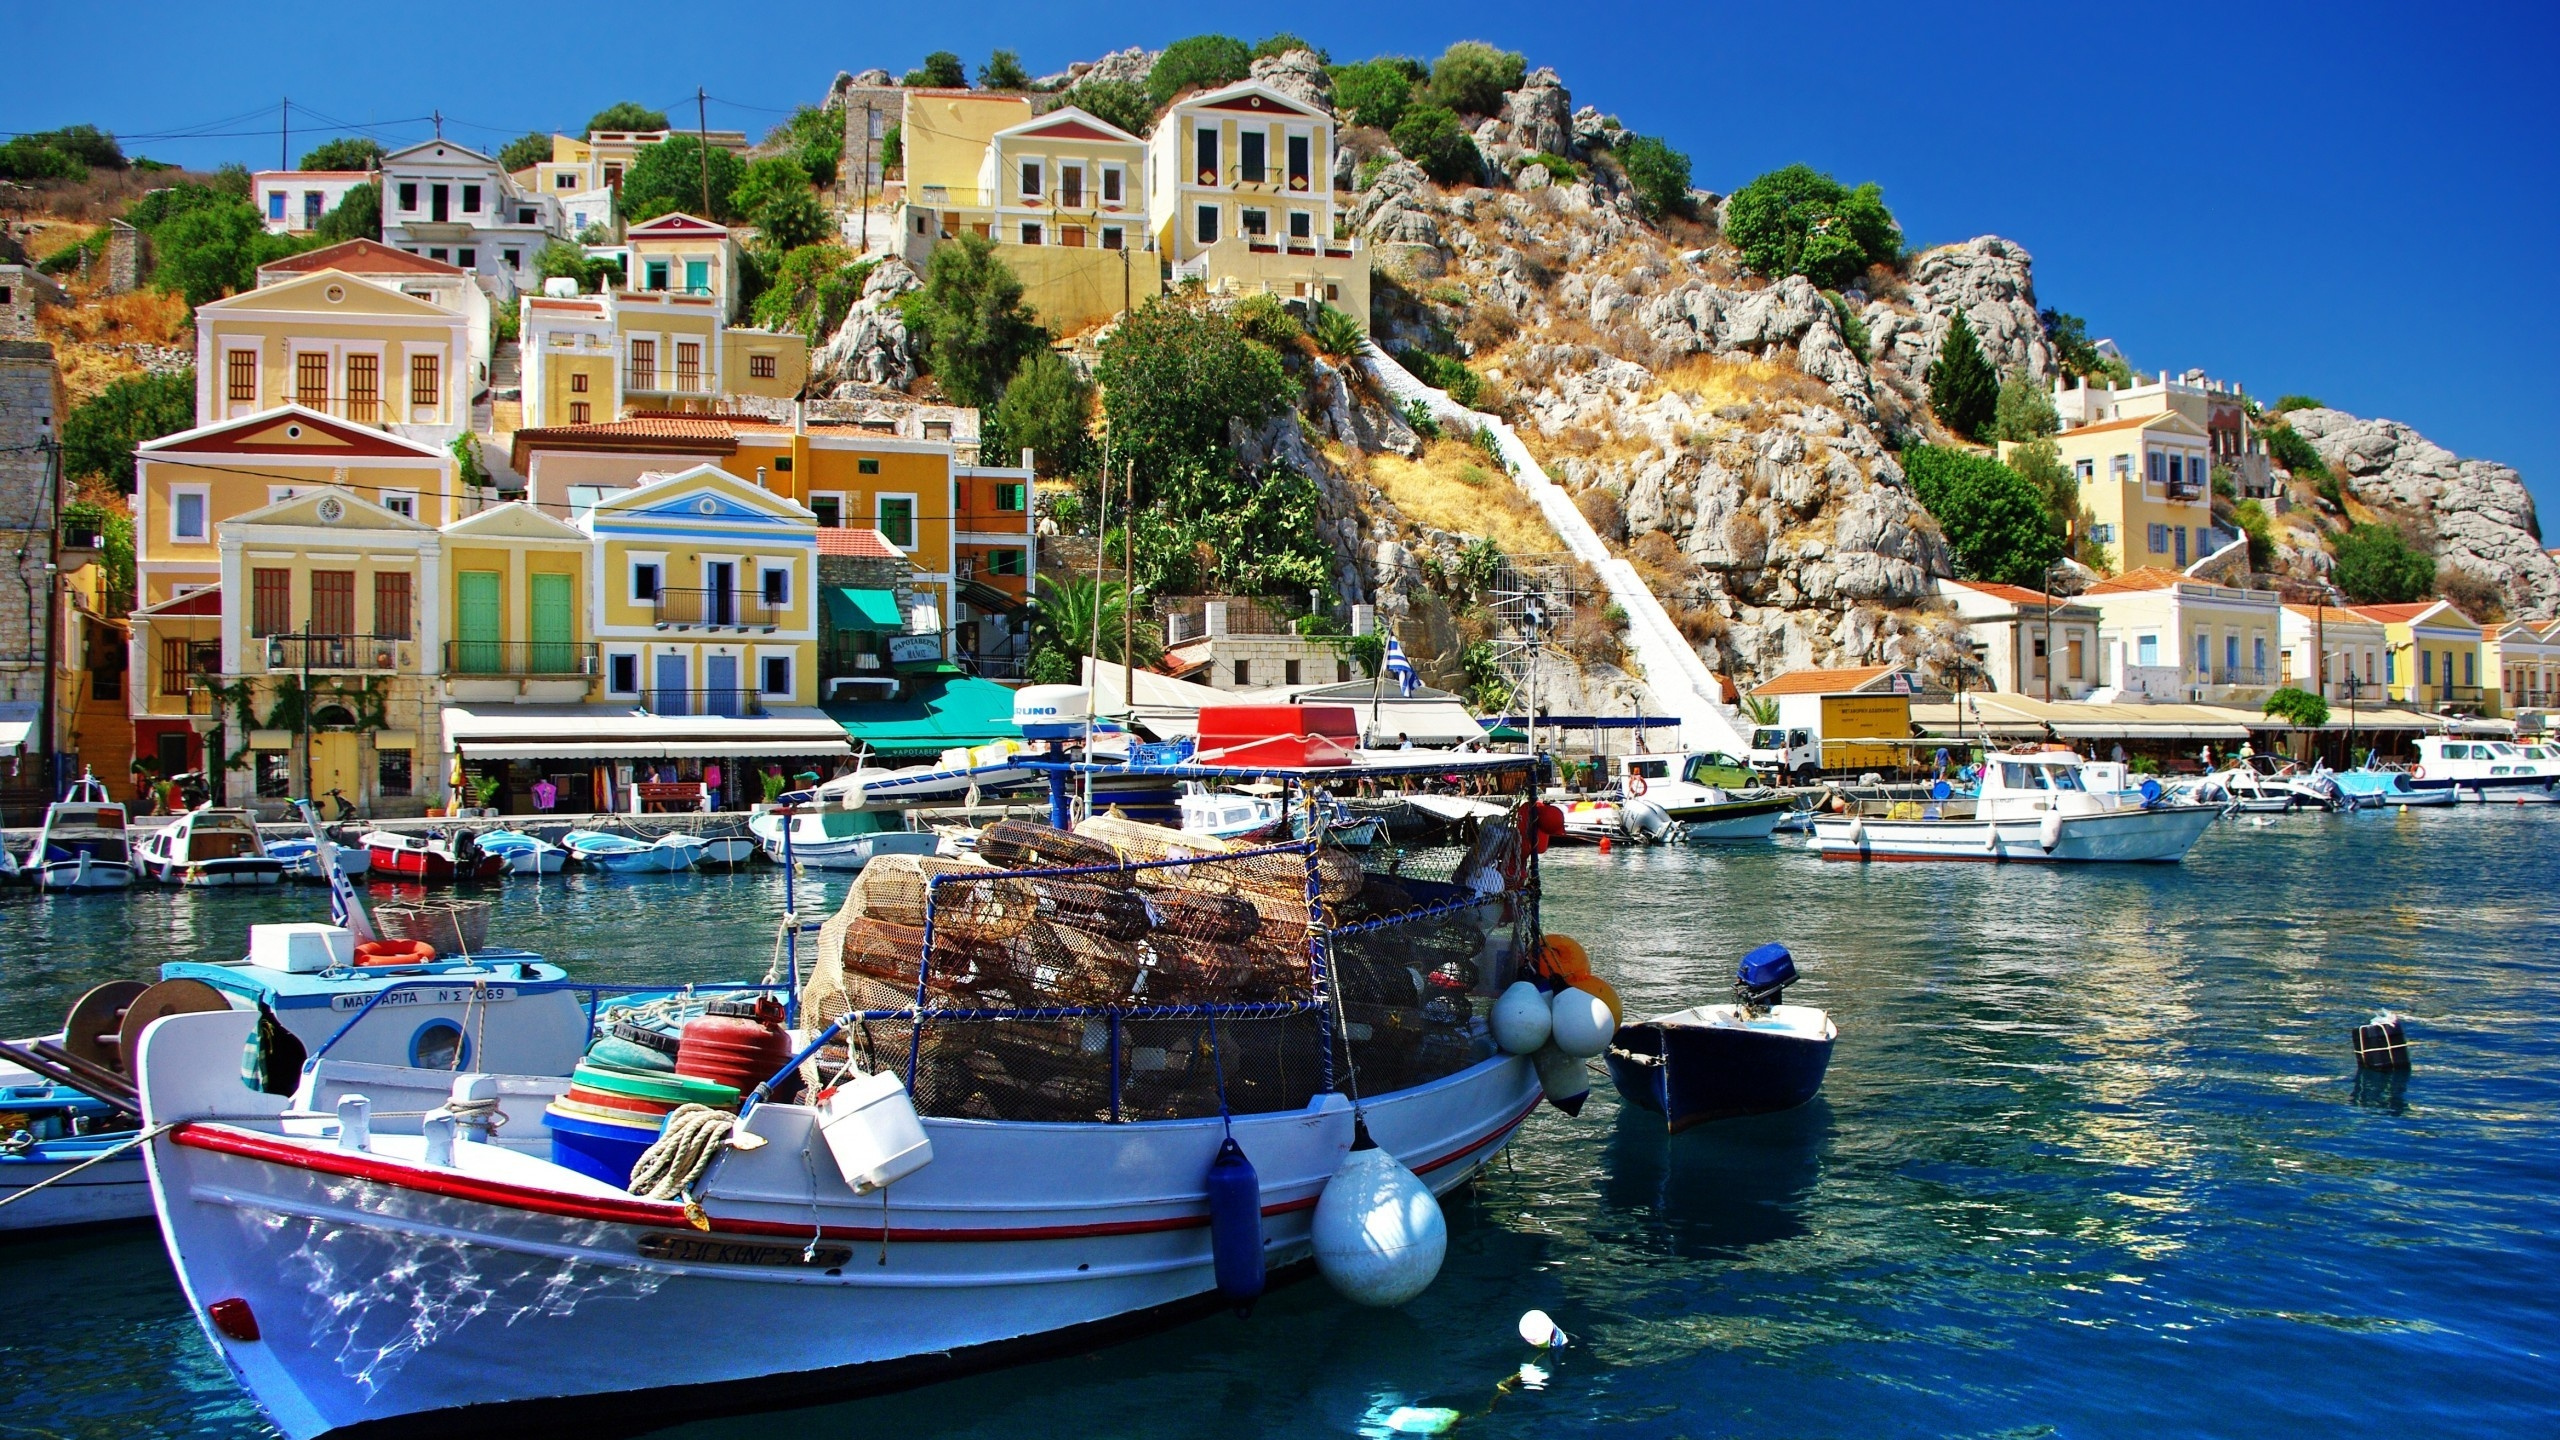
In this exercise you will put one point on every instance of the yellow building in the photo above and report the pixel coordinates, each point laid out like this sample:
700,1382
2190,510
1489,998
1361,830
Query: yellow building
943,139
2524,656
584,173
704,595
1240,198
337,344
2342,646
518,623
588,359
684,255
2174,637
2433,659
448,287
2147,485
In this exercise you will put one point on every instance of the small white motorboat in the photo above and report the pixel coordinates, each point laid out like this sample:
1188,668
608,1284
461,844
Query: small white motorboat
2031,807
525,854
826,837
632,855
727,851
2490,771
1228,814
84,844
207,847
1706,794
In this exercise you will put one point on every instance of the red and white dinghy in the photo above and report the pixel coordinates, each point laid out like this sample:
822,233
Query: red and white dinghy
433,857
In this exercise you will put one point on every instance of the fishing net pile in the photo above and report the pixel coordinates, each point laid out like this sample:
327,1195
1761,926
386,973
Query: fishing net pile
1124,971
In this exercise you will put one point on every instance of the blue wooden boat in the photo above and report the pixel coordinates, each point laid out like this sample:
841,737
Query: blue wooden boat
1716,1062
626,855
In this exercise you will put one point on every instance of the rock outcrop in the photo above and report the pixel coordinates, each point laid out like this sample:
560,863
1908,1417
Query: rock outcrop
871,349
1299,75
2482,515
1131,66
1536,117
1991,280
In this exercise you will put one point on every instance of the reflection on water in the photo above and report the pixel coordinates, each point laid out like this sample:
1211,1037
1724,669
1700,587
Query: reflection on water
2092,1159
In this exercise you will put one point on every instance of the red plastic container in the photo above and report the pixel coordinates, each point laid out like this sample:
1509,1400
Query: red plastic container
1283,735
740,1050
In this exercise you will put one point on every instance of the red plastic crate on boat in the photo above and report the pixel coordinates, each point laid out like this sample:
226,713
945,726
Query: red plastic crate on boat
1288,735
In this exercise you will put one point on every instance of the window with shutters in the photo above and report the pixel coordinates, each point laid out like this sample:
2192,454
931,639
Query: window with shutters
578,382
579,412
364,388
760,367
644,364
240,376
688,366
333,602
426,379
311,379
391,605
270,602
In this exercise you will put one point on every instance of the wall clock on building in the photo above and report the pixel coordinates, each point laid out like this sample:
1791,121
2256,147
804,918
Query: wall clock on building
332,509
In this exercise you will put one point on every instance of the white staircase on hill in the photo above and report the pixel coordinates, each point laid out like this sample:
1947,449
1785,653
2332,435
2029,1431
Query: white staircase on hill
1681,683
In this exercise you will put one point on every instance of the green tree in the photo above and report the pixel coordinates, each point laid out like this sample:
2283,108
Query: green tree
1430,136
1283,43
1376,93
941,71
815,138
626,115
773,195
669,177
1799,221
2376,565
892,148
560,260
2024,410
1471,77
1337,331
1075,617
1003,71
1044,407
2299,708
113,525
213,251
970,316
1962,388
356,216
2040,465
1173,373
1199,63
811,290
1658,174
1116,102
347,152
1994,521
100,433
525,151
28,157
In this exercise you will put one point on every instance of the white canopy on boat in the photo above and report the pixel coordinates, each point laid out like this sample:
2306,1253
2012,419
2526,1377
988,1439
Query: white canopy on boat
621,732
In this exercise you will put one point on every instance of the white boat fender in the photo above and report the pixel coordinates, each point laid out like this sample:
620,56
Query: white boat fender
1991,837
1521,1019
871,1128
1567,1084
2051,831
1538,1329
1379,1234
1235,1223
1858,831
1582,1023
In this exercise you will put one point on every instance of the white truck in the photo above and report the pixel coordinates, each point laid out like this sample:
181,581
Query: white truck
1790,756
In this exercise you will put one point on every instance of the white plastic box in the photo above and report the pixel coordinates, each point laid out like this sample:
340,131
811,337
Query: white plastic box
301,949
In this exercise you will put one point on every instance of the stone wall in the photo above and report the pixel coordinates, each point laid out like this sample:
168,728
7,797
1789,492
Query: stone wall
124,257
31,407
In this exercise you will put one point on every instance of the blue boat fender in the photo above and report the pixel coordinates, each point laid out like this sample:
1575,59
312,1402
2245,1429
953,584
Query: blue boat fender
1235,1223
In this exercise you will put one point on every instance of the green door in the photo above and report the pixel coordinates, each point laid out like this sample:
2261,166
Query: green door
477,627
555,628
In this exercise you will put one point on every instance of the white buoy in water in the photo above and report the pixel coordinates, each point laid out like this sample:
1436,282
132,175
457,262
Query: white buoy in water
1540,1330
1520,1019
1567,1084
1379,1233
1581,1023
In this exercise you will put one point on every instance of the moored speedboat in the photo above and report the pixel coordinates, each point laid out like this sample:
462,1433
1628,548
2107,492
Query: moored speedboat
524,854
301,859
84,844
2490,771
436,857
1716,1062
207,847
631,855
823,836
2031,807
1710,795
1228,814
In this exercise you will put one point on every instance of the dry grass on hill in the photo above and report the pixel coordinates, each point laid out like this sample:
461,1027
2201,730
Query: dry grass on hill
1454,487
1714,384
88,333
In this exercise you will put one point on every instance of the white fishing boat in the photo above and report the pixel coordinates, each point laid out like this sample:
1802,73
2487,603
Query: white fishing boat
207,847
631,854
2489,771
2388,786
2031,807
952,777
951,1201
822,836
525,854
1228,814
84,844
1708,794
2264,785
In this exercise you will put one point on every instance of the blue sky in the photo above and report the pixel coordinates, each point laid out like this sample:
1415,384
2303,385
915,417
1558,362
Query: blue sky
2340,200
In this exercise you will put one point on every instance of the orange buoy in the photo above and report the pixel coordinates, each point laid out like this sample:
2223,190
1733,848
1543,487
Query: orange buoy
1563,957
395,952
1604,840
1593,984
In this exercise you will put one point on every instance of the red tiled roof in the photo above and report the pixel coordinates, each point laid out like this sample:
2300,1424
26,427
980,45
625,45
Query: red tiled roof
2014,594
2149,577
2329,614
361,257
1822,682
2403,614
859,544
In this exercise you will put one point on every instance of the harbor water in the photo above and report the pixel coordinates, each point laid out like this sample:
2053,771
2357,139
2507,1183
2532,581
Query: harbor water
2093,1160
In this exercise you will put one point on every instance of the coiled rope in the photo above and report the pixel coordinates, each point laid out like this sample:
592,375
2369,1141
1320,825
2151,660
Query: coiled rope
694,1136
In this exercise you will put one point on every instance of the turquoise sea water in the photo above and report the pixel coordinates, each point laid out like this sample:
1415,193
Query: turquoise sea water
2092,1161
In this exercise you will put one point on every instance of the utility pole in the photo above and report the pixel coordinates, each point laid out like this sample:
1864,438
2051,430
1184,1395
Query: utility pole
439,119
869,118
1128,588
702,138
2048,634
284,135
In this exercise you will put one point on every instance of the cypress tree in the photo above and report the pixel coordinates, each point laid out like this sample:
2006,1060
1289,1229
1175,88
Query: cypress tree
1962,388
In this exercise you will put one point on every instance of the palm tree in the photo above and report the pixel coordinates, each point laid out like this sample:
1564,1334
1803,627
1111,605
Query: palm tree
1063,619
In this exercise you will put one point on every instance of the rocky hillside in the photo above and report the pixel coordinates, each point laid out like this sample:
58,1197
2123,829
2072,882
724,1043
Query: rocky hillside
2477,514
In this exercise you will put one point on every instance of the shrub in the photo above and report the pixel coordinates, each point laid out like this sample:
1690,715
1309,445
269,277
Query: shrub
356,216
626,115
2474,596
2024,409
1419,418
1283,43
892,148
1658,174
971,321
1993,519
1429,136
1852,328
113,525
2287,447
2376,565
1470,77
1962,388
1798,221
773,195
466,460
2299,708
1173,373
1200,62
559,260
1003,71
1117,102
525,151
815,138
941,71
811,289
99,434
2286,405
2254,522
1607,515
348,152
2069,337
670,176
1445,372
69,153
1045,406
1558,166
1336,331
1375,93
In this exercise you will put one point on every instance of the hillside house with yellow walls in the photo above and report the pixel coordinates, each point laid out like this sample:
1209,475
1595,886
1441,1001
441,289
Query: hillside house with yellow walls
174,661
341,345
685,256
587,359
2334,651
2434,657
446,286
2146,483
2524,656
2171,636
1240,198
584,174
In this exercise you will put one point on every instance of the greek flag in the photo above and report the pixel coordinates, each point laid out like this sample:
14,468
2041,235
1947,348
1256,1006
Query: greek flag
1400,668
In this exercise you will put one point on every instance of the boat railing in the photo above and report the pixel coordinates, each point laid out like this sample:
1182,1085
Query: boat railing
594,994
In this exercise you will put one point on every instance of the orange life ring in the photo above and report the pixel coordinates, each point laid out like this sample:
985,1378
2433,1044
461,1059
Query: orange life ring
395,952
1636,785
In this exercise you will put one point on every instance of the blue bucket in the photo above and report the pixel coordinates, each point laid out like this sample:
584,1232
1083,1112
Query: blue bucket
597,1148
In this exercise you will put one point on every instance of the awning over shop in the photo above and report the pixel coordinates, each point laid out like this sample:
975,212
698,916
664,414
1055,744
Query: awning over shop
621,732
936,712
849,608
18,719
988,598
2020,717
1169,708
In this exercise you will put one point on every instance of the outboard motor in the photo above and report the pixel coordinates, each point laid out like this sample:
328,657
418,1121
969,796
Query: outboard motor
1763,978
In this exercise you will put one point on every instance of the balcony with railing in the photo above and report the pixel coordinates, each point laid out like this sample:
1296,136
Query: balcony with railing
2461,699
706,609
520,660
656,380
337,654
732,701
2242,684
